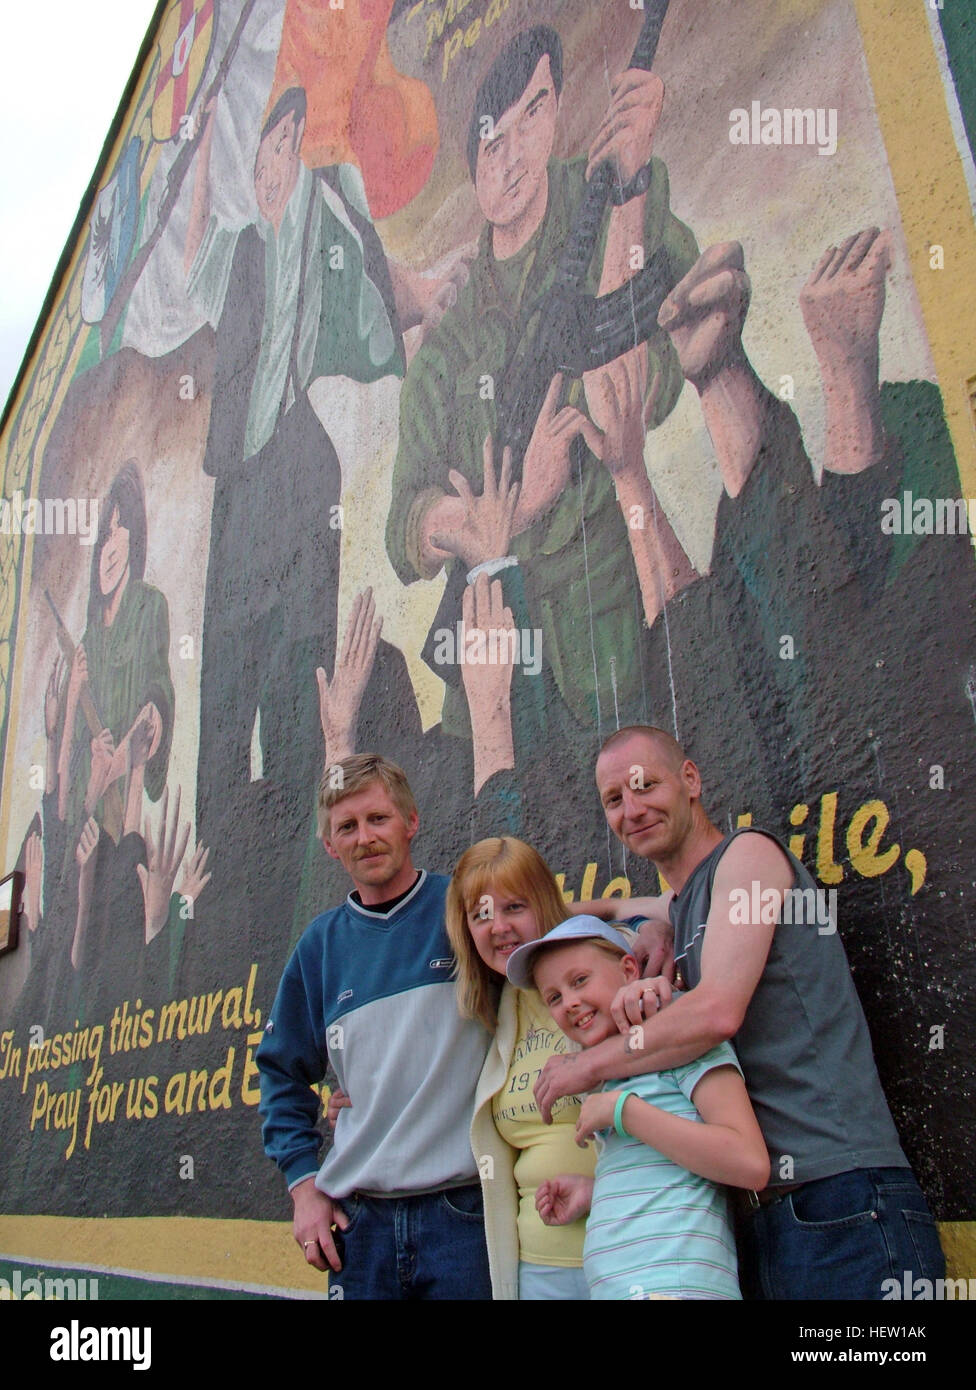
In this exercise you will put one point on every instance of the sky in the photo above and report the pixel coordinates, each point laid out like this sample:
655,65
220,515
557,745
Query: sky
66,67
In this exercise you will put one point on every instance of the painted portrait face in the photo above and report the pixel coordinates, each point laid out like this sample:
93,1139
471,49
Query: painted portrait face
113,562
276,167
647,802
499,922
510,177
370,837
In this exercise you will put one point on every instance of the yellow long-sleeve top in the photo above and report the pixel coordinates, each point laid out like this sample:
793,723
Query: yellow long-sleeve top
515,1151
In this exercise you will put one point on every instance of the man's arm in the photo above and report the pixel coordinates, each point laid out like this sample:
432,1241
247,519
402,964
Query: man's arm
644,223
733,958
424,448
291,1062
626,139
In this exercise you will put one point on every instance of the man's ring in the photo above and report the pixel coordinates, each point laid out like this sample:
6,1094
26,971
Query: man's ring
307,1243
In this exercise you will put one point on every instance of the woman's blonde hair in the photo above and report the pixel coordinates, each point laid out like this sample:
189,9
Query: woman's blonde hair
506,865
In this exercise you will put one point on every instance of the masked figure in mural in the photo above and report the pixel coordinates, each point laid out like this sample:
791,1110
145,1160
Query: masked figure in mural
569,542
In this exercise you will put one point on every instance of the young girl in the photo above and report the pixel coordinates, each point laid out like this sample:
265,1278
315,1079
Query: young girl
658,1224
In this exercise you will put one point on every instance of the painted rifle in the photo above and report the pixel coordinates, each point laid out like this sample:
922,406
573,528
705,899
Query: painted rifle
578,332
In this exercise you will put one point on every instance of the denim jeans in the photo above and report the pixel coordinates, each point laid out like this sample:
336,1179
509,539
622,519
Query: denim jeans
839,1238
429,1246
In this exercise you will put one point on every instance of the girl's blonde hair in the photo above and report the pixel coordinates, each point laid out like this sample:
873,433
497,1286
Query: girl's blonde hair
505,865
597,942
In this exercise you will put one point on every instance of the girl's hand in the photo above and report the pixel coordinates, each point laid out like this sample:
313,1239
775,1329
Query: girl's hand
596,1113
564,1199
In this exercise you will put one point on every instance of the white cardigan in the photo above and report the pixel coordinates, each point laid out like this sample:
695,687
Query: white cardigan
495,1157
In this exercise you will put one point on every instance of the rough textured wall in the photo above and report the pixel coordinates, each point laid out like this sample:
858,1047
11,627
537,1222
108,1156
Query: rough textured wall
304,294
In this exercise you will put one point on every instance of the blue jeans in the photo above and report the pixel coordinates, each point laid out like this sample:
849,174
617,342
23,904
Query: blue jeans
839,1238
429,1246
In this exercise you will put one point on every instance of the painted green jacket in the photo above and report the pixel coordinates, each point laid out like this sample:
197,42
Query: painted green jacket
128,667
444,420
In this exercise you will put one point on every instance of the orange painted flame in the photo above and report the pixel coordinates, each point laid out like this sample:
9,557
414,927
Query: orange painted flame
361,110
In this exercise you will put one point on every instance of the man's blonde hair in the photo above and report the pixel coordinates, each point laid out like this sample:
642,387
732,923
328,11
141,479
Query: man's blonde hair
666,744
506,865
349,776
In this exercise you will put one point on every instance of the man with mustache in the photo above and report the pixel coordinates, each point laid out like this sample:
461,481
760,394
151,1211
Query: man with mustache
369,990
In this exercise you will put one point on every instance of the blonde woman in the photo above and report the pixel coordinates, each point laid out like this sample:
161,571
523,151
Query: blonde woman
501,896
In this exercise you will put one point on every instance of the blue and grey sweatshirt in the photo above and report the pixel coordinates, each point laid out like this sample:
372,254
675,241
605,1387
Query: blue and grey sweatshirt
372,993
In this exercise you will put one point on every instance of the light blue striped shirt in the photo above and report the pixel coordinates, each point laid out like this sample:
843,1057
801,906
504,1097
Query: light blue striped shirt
654,1228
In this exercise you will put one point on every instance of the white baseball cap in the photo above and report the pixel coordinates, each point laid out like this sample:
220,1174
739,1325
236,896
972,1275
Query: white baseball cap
581,928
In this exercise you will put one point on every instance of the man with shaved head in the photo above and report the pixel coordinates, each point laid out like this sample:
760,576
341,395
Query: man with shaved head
760,962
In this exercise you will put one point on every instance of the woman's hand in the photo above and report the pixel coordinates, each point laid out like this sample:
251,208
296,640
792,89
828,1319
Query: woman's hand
195,878
33,879
164,854
596,1113
338,1100
564,1199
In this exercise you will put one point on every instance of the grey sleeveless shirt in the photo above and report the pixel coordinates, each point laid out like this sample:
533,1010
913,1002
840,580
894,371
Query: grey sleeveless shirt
804,1045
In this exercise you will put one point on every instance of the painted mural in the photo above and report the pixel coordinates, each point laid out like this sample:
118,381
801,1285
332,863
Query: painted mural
462,380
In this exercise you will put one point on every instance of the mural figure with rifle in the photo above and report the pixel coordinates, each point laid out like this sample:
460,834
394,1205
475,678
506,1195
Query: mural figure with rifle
552,295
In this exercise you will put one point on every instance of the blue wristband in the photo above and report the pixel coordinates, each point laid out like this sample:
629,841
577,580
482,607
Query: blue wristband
618,1111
